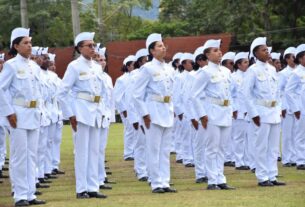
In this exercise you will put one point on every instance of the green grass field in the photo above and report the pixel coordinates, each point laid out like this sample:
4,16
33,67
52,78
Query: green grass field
128,192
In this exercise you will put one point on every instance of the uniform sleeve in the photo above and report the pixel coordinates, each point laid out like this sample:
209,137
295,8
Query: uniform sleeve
119,93
247,93
197,91
64,97
6,77
292,97
139,92
177,101
234,91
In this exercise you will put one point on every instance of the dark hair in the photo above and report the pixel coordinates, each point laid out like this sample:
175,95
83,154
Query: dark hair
207,51
124,68
137,64
235,66
13,51
199,58
224,62
180,67
174,63
287,56
255,50
151,47
80,44
300,55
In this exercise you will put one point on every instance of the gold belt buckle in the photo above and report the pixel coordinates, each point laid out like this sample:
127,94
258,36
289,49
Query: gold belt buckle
33,104
226,102
166,99
273,103
97,99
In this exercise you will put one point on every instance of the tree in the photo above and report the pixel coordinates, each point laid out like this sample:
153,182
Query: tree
24,13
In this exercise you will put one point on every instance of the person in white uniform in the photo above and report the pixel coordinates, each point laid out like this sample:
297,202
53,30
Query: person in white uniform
295,95
20,77
79,98
262,97
288,118
152,97
215,115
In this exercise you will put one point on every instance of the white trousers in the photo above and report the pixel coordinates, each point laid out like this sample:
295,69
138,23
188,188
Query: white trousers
288,139
158,155
239,136
86,158
199,142
24,145
178,138
56,146
252,132
2,146
187,142
42,151
266,151
129,138
49,156
228,147
214,154
140,154
300,141
103,136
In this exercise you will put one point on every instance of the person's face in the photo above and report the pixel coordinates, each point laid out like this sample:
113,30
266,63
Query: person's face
262,53
277,64
24,48
290,61
102,61
243,66
87,49
52,67
188,65
214,55
45,61
1,65
229,64
38,60
159,51
130,67
302,60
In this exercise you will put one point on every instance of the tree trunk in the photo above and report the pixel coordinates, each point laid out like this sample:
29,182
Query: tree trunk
100,19
24,14
75,17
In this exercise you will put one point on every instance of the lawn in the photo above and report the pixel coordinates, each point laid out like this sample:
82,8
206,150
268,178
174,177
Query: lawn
128,192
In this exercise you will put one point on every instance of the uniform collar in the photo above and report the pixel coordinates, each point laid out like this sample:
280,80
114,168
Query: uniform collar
213,66
88,62
21,58
260,63
155,61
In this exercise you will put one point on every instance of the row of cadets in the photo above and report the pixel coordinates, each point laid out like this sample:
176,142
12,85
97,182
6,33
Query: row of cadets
20,78
80,99
107,111
152,96
120,97
136,121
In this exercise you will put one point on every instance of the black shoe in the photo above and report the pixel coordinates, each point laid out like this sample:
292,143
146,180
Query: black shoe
179,161
38,185
37,192
173,153
242,168
4,168
108,173
36,202
107,168
57,172
189,165
22,203
82,195
277,183
6,162
158,190
1,181
279,159
105,187
224,186
300,167
213,187
229,164
202,180
287,164
253,170
143,179
109,181
42,180
129,159
266,183
169,190
96,195
49,176
293,164
3,176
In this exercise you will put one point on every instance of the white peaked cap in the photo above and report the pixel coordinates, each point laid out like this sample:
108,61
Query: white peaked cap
102,51
198,51
269,50
257,42
299,49
96,49
154,37
52,57
241,55
83,36
211,43
44,50
186,56
275,55
177,56
141,53
35,50
2,55
129,58
39,51
289,50
228,56
19,32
